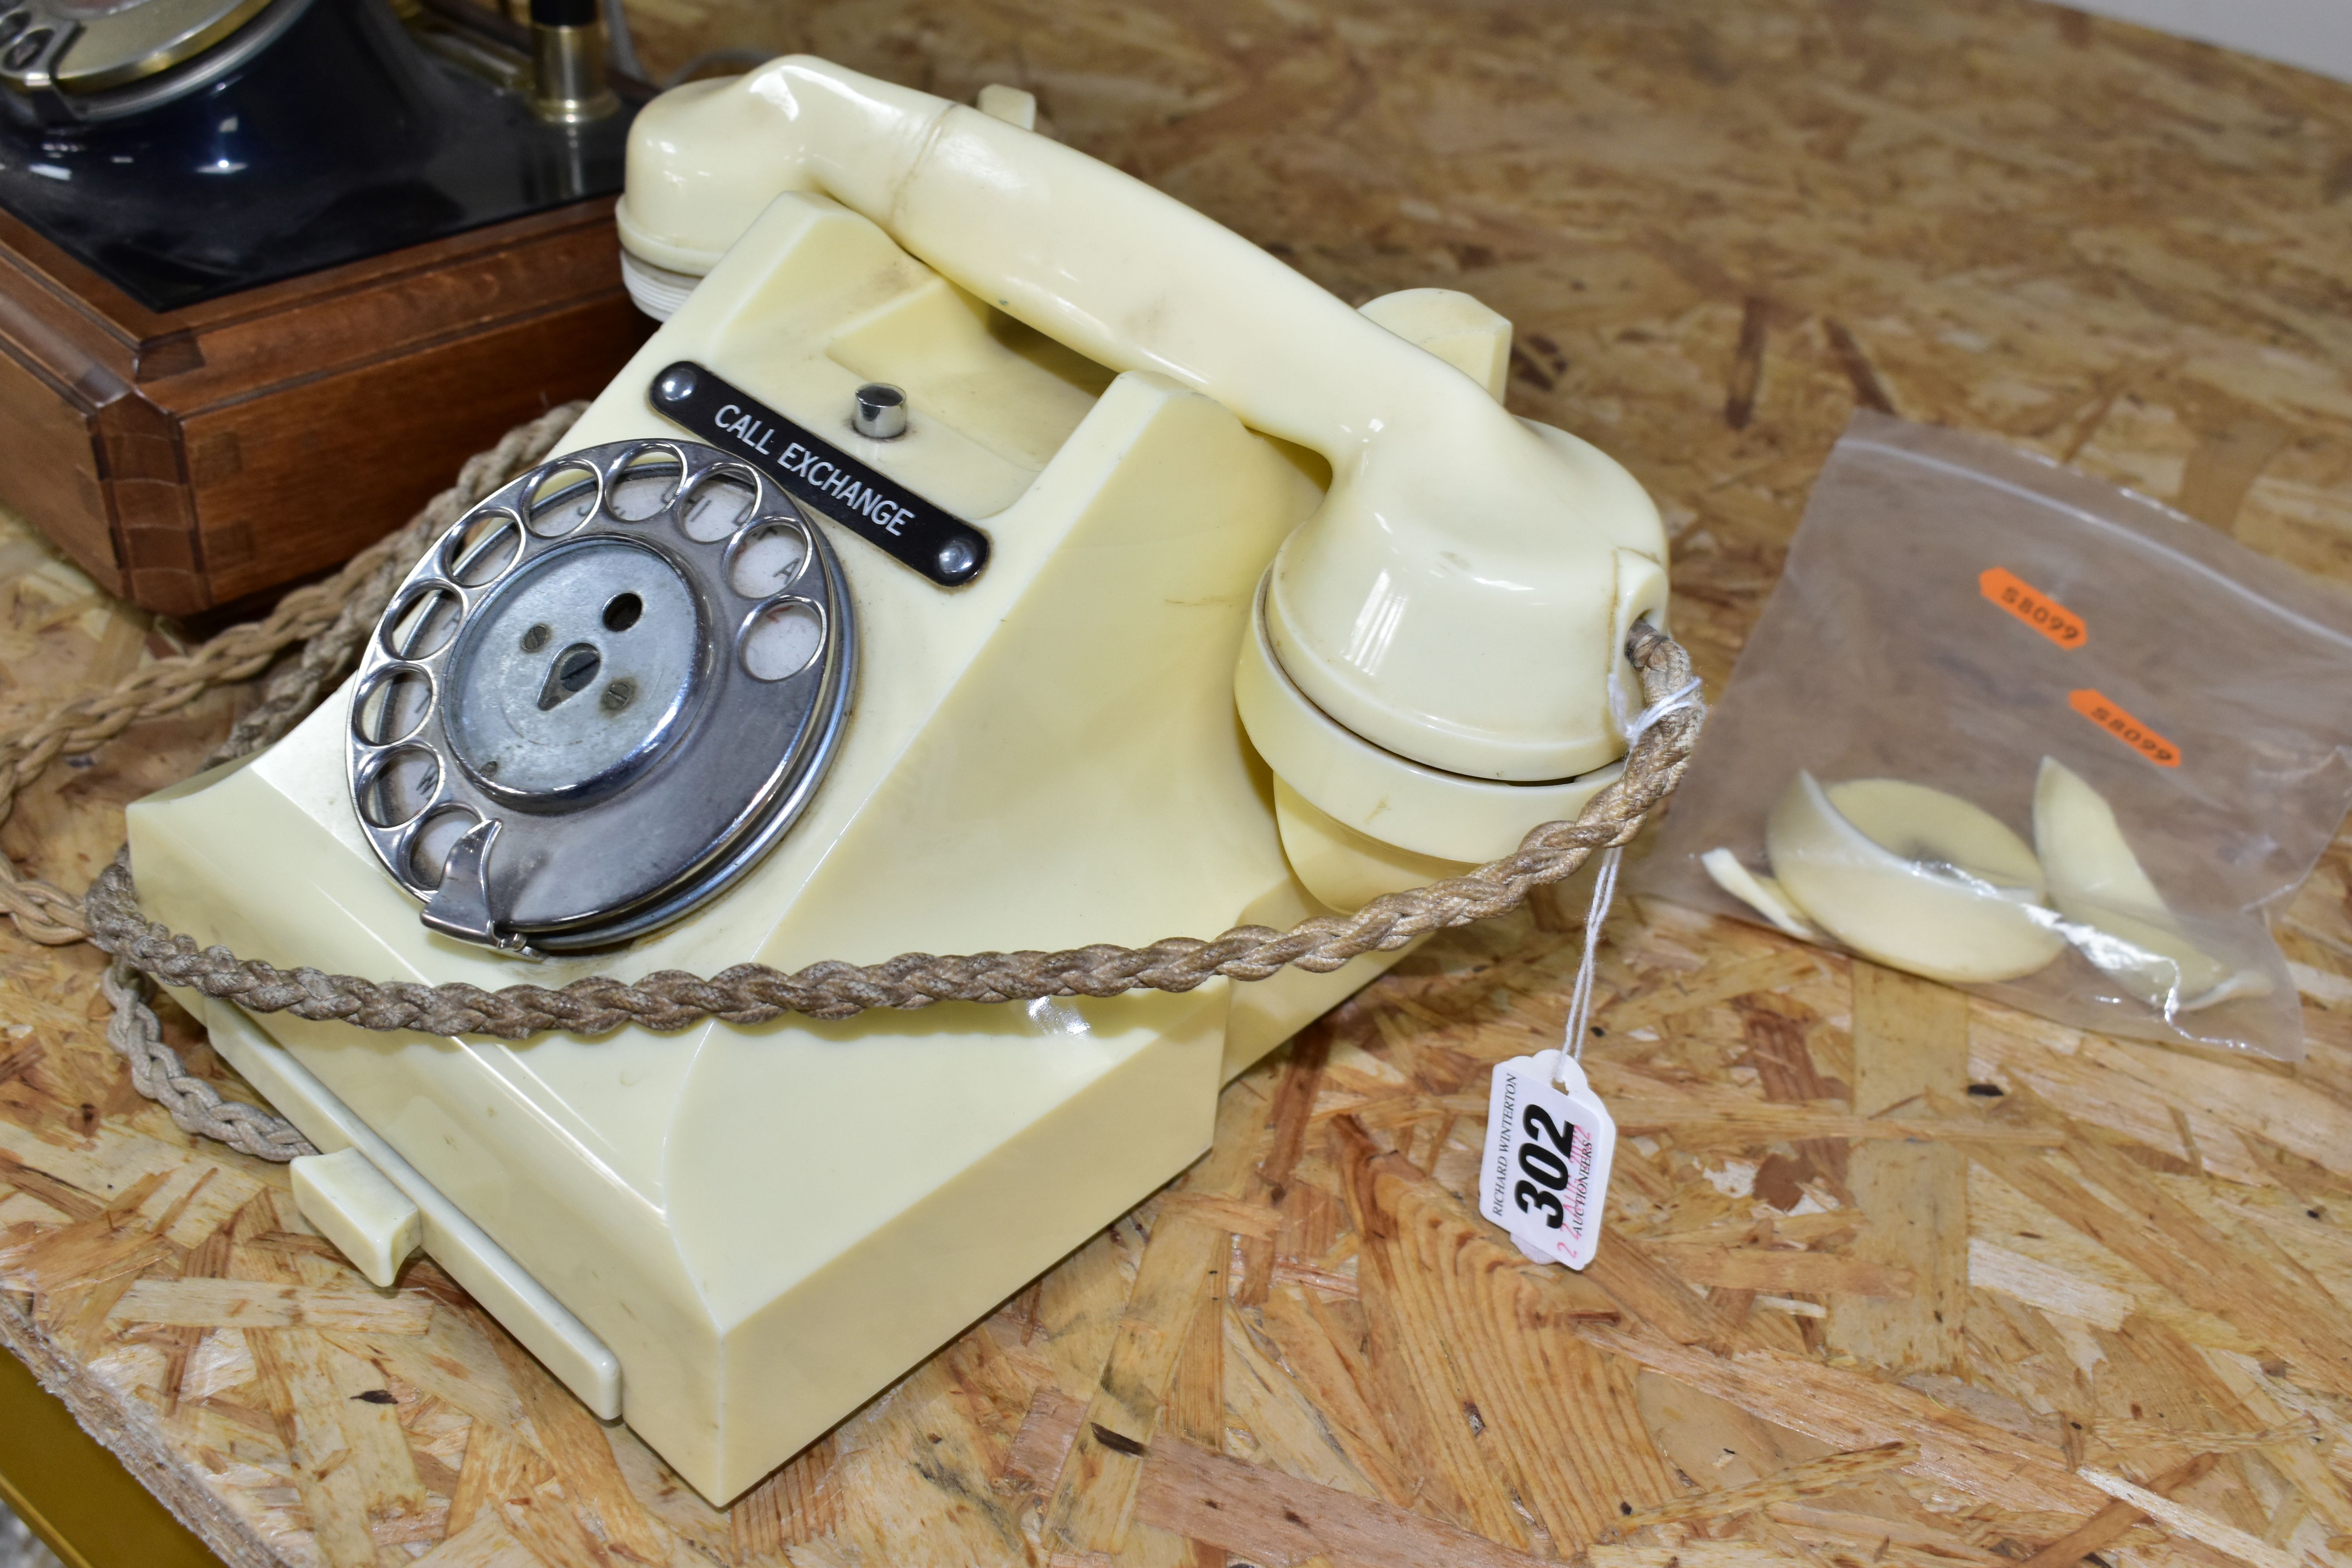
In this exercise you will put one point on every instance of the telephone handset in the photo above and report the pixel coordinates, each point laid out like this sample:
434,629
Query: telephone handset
1461,597
899,597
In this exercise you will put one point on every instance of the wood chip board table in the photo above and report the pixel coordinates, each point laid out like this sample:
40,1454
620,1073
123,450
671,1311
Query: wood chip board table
1894,1276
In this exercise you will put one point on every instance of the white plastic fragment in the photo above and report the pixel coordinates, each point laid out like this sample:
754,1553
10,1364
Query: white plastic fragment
2113,915
1759,893
1933,884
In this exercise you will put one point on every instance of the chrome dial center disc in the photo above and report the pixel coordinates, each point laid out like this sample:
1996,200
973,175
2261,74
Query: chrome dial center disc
601,698
578,677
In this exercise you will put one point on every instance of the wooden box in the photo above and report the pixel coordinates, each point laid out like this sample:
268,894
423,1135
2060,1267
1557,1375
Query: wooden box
201,458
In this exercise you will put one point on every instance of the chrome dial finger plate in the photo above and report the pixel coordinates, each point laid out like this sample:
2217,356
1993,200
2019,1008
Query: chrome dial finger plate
103,58
601,697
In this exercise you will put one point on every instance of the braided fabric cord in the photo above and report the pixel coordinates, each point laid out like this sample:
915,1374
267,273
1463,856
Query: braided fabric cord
333,618
136,1035
330,620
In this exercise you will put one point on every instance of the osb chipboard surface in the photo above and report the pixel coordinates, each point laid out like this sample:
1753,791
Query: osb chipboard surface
1892,1276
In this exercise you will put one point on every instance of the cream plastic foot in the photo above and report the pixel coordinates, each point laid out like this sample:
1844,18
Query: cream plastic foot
541,1324
370,1221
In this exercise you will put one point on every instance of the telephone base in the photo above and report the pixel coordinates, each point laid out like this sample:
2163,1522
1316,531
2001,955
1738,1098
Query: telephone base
766,1225
754,1385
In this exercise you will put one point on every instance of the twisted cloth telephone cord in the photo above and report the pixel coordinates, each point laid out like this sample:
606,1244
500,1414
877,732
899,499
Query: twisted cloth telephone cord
331,620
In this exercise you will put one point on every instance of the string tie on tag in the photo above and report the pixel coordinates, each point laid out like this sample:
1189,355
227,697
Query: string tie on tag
1681,696
1605,882
1580,1001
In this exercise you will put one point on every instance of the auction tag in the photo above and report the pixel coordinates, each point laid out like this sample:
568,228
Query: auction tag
1548,1151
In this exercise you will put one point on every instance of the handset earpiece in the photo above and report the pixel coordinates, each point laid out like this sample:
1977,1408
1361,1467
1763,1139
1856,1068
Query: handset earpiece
1440,640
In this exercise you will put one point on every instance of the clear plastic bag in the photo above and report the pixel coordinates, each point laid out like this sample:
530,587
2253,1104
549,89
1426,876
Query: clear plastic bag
2009,727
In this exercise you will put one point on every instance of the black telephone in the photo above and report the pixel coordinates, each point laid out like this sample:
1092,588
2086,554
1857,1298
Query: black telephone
187,149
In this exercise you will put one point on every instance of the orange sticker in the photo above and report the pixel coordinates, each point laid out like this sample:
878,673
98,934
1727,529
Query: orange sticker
2109,715
2034,607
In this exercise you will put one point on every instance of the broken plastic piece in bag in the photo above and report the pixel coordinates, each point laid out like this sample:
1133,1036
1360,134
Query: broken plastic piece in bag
2006,726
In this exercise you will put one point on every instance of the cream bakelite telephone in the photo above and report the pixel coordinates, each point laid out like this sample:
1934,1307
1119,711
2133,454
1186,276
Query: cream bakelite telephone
988,554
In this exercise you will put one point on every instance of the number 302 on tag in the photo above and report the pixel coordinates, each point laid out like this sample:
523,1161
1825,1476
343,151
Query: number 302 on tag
1549,1144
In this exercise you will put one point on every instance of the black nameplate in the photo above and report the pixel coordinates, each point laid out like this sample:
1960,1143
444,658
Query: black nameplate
873,506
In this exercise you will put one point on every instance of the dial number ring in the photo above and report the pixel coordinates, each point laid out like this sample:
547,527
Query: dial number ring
559,708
